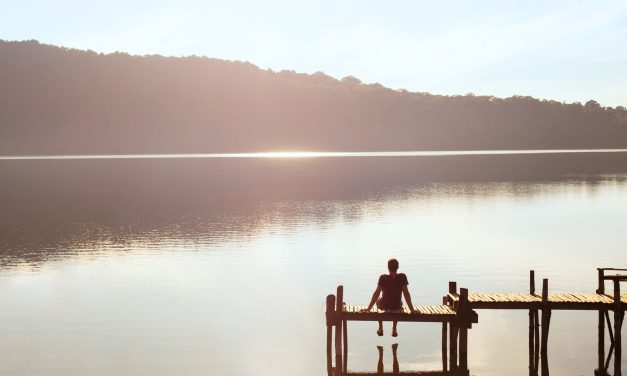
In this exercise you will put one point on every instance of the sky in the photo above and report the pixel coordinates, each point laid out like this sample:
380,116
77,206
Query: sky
570,51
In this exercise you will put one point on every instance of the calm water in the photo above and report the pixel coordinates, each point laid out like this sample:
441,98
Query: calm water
221,267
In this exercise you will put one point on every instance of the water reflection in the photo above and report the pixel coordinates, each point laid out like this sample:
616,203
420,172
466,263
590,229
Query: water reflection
58,208
205,267
47,236
396,369
395,366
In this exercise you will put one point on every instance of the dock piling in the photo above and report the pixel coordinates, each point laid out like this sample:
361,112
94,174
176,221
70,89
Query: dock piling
464,323
330,316
345,354
444,337
546,320
618,324
338,331
532,327
452,345
601,367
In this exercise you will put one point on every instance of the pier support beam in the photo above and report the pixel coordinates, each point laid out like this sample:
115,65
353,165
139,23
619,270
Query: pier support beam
464,322
601,368
330,316
533,368
444,338
345,353
546,320
618,325
452,345
536,319
338,331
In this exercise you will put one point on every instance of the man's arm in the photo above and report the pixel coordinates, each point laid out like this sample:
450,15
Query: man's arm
408,299
375,296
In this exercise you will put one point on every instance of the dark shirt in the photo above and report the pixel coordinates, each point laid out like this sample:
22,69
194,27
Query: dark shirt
392,288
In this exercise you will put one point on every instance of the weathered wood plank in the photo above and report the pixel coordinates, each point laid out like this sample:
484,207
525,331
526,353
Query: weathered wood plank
560,301
442,313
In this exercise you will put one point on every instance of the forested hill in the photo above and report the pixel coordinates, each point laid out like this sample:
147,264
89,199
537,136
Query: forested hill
62,101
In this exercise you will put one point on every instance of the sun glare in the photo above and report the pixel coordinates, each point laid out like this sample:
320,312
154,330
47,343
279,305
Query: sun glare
294,154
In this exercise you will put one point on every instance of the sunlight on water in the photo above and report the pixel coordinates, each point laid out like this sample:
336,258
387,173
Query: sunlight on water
313,154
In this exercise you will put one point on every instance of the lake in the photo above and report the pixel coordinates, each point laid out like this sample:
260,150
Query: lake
220,266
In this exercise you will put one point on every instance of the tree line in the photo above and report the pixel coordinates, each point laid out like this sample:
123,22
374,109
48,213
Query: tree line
56,100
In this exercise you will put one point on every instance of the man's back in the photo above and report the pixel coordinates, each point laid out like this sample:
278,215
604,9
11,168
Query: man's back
392,288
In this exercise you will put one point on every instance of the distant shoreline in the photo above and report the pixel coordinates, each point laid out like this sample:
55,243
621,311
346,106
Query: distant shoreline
308,154
59,101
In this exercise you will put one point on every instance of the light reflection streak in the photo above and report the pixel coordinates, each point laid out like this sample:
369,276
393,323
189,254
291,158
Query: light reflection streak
313,154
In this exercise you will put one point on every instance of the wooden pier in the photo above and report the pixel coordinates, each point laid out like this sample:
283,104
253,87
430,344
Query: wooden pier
457,313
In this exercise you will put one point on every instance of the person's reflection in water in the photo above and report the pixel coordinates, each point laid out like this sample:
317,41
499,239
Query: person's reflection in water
390,287
380,368
395,367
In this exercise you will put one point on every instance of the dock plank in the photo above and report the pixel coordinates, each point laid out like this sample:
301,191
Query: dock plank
564,301
425,313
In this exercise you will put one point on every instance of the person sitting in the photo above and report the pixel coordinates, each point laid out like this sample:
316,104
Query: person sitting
390,287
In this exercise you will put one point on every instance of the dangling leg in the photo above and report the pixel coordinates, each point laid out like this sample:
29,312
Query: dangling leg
380,330
394,332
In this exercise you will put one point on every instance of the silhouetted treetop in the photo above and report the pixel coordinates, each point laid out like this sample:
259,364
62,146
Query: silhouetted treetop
56,100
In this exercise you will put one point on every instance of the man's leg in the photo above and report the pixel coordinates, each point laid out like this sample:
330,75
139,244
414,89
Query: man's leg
380,331
394,332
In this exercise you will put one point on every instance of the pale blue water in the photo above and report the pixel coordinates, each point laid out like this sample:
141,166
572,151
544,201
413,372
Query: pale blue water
163,279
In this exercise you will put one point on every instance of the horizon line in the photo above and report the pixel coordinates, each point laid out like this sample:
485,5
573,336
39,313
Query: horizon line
310,154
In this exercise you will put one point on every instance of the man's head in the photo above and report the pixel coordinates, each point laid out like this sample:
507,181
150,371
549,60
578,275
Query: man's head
392,265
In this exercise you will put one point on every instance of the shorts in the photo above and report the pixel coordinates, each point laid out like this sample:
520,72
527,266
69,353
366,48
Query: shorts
383,307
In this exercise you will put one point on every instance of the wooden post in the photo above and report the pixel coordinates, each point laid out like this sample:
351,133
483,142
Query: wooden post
546,319
452,345
536,345
345,334
601,285
601,327
338,330
444,337
330,313
610,352
618,325
463,330
452,287
532,324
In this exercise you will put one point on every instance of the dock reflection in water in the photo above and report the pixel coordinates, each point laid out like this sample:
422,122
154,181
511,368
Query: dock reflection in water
396,370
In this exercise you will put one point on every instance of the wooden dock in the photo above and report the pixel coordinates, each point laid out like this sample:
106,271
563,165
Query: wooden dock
437,313
534,301
457,313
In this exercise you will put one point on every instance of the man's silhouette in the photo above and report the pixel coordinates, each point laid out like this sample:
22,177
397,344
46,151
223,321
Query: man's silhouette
391,286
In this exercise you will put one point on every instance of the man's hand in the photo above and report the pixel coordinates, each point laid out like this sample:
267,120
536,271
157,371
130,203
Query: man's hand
412,310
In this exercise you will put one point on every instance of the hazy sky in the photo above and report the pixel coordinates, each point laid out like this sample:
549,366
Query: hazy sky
564,50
